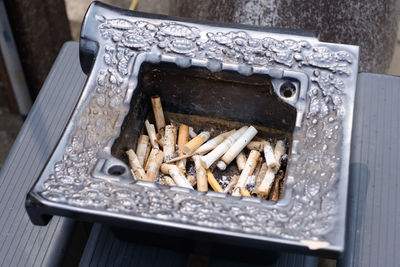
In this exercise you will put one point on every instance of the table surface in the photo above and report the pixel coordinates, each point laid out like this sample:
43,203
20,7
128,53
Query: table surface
373,213
22,243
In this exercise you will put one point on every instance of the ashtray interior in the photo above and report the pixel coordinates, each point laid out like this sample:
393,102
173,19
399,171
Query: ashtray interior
205,100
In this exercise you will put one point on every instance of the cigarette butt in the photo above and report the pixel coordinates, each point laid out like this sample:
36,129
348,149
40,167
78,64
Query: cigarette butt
251,181
237,147
205,150
192,133
176,175
141,148
160,140
151,131
182,171
133,174
269,156
153,164
191,155
247,171
276,193
264,188
195,143
241,161
279,151
231,184
192,179
158,112
256,145
215,154
201,176
178,158
261,174
258,167
167,180
213,182
148,150
215,141
134,163
169,142
183,138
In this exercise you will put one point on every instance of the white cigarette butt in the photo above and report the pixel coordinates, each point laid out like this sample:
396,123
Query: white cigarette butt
176,174
237,147
210,158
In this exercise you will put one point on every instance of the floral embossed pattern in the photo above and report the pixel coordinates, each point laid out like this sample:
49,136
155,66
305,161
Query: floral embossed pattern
315,160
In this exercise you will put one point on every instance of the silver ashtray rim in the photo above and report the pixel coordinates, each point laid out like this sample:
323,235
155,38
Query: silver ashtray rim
311,217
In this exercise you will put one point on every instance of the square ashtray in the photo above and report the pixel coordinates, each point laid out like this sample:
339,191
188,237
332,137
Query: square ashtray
228,72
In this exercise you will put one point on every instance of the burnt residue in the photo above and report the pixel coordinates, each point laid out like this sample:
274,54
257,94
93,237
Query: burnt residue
132,125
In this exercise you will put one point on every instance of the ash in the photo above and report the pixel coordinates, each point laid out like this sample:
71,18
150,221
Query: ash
223,180
251,184
190,169
284,162
159,179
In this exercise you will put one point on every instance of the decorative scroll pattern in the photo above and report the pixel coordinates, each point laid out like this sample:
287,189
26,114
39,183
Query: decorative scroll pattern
311,212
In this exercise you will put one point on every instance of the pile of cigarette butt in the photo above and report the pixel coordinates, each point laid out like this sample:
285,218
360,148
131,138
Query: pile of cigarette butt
175,155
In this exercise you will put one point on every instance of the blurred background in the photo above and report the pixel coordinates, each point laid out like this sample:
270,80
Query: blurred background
34,31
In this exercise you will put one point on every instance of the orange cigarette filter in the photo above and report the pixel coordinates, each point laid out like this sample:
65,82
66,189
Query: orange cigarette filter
195,143
213,182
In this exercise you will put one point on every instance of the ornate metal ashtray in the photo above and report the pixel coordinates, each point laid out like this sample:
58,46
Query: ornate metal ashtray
234,73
